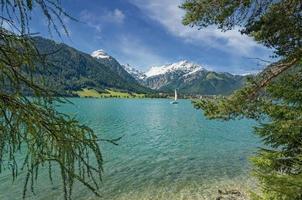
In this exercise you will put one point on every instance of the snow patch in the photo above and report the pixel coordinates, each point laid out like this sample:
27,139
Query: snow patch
184,66
100,54
134,72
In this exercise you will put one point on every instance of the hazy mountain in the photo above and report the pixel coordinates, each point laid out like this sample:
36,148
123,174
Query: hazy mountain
189,78
137,74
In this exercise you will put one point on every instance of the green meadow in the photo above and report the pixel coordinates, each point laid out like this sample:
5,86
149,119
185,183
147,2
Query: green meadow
107,93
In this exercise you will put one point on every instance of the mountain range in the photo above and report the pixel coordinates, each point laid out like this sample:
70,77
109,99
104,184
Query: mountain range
188,78
70,70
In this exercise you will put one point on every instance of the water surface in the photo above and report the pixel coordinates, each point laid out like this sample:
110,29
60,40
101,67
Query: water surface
167,152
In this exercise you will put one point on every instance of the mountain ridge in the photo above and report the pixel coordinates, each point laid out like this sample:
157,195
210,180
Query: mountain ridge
73,70
188,78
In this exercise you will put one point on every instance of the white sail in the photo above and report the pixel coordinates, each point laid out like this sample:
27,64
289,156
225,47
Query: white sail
175,98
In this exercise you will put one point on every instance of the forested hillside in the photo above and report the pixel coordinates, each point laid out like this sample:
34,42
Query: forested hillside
68,70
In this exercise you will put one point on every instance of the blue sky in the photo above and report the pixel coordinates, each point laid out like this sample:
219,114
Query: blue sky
145,33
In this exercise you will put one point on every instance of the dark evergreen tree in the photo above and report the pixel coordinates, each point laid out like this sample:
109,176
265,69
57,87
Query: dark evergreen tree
274,96
33,126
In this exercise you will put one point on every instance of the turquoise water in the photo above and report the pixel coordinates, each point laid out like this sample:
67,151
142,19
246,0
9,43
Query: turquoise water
167,152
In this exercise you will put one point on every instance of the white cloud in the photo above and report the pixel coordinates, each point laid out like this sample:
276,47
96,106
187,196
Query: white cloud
116,16
97,21
169,15
91,20
137,54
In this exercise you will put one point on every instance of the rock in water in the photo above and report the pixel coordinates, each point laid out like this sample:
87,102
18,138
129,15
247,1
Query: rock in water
230,195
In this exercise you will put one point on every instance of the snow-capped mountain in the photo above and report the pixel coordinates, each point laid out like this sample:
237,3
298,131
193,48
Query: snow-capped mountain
159,77
109,61
101,54
184,67
187,77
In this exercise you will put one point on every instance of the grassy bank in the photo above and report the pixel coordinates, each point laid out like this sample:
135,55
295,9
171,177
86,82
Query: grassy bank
108,93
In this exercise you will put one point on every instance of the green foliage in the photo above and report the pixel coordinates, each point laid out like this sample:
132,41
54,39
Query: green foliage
278,109
33,126
279,168
261,19
273,97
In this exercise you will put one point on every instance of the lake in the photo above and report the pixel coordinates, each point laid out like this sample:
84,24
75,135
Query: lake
167,152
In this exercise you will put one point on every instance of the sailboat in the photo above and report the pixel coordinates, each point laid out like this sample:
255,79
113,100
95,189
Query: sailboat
175,98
